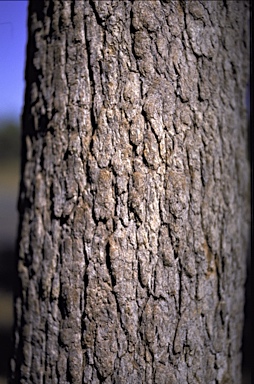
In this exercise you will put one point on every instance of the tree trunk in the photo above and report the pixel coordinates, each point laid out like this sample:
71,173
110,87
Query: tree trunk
134,193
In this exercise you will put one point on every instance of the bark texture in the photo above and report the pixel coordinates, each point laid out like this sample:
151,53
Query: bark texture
134,193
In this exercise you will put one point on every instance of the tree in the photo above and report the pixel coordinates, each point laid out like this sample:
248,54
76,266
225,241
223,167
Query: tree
133,202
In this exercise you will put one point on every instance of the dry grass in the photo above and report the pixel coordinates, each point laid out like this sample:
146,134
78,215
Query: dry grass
6,311
9,175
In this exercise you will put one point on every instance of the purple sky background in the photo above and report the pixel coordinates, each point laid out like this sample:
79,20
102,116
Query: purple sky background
13,37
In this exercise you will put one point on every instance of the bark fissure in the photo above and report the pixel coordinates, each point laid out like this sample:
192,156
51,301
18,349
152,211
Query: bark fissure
133,203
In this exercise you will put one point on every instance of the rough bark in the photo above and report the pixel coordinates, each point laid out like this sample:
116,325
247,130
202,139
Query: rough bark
134,193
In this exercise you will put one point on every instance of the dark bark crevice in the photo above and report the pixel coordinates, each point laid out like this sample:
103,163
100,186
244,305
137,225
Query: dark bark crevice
128,233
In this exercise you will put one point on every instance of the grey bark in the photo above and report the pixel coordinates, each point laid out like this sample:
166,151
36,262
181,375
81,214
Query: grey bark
133,204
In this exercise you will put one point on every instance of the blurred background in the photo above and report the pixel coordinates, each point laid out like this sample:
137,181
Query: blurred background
13,34
13,15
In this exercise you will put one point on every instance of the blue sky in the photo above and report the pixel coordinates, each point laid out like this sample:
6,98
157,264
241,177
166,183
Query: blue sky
13,36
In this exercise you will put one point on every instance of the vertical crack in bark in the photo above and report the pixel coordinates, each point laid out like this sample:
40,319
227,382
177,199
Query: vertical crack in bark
92,86
130,211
